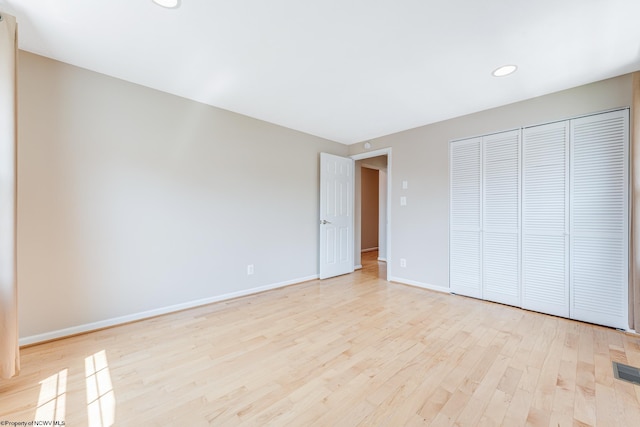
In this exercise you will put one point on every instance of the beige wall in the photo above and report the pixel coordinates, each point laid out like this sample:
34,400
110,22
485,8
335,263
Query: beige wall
420,156
132,200
370,208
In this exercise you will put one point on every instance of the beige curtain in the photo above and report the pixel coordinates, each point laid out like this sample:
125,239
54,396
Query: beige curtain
634,283
9,350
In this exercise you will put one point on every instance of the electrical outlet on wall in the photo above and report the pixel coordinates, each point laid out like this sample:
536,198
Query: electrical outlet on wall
249,269
403,262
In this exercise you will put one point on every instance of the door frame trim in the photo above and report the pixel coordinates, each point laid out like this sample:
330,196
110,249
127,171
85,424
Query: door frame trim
368,155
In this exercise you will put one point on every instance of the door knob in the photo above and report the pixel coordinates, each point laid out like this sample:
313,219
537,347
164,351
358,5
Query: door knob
324,221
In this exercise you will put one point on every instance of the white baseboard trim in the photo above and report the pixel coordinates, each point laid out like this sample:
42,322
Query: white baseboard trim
368,250
382,259
358,267
88,327
420,285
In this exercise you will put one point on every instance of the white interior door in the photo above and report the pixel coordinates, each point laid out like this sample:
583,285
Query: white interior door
336,215
545,219
501,217
599,219
465,236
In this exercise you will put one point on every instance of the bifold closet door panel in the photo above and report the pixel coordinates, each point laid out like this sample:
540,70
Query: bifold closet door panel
501,217
465,251
545,218
600,219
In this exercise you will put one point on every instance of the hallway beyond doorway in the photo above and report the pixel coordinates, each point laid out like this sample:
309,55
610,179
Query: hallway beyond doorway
372,267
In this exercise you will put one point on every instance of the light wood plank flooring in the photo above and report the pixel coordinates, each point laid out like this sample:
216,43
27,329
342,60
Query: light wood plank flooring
349,351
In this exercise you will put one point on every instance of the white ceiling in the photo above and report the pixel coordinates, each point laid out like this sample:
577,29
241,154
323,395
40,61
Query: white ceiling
346,70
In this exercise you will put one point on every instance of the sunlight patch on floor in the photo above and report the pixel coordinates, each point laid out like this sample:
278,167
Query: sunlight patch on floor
101,401
52,398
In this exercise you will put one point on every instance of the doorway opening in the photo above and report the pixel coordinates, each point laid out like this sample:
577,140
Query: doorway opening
372,235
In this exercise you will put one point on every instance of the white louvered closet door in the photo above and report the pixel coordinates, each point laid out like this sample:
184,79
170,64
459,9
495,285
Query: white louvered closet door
465,274
545,218
599,219
501,218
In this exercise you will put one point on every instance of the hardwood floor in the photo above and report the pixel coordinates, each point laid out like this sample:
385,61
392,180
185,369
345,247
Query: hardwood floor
349,351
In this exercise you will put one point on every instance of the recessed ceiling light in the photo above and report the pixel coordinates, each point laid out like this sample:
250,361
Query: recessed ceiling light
505,70
169,4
